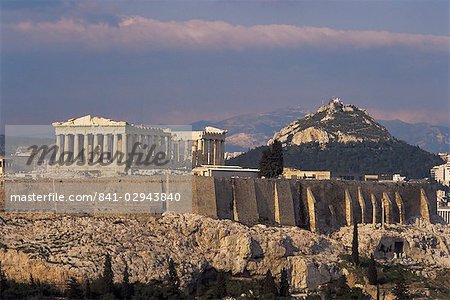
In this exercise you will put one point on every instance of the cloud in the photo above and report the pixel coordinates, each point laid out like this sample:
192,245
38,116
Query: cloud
142,34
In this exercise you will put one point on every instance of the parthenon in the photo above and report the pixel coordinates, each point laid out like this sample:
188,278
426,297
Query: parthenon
95,139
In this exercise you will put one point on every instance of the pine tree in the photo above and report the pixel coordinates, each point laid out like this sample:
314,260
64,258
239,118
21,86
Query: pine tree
127,288
74,289
284,284
355,251
271,163
372,271
264,164
269,287
277,152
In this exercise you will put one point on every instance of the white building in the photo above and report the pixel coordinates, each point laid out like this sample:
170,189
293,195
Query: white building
441,174
444,213
2,166
88,139
225,171
398,178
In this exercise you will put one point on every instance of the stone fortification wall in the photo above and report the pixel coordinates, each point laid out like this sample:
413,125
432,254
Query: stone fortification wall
317,205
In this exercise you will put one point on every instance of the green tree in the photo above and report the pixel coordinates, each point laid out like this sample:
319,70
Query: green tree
284,284
355,245
74,290
271,163
270,290
372,271
127,288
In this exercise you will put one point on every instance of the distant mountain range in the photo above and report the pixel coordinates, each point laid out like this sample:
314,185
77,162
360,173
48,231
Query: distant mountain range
429,137
345,140
252,130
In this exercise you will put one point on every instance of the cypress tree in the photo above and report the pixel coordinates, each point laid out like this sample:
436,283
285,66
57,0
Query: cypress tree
355,251
107,279
127,288
372,271
269,287
277,153
271,163
284,284
264,164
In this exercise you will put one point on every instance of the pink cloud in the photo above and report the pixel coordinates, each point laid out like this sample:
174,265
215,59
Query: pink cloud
141,34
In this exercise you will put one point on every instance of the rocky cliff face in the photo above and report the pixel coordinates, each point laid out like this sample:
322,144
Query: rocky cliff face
52,248
335,122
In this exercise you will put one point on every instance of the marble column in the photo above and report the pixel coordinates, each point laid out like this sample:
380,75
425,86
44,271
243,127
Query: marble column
85,148
123,148
222,152
159,143
214,154
105,152
145,144
76,147
217,154
136,142
169,146
151,143
211,152
58,147
186,150
194,153
114,146
66,148
95,148
204,160
163,144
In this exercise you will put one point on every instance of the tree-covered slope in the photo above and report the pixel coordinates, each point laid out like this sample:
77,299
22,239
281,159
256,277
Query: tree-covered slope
387,157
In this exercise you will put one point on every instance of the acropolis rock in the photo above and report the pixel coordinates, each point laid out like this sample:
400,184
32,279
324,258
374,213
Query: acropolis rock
54,247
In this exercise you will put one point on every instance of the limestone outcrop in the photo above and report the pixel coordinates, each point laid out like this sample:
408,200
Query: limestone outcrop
54,247
335,122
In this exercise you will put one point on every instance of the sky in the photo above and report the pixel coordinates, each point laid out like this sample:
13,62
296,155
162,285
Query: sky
170,62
